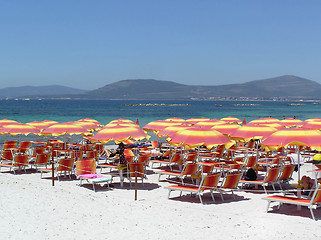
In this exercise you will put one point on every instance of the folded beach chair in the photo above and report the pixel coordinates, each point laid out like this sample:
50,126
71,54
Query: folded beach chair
164,159
285,174
136,169
271,177
229,183
63,166
144,158
20,161
314,202
7,155
208,183
113,165
9,144
189,169
25,144
86,170
42,159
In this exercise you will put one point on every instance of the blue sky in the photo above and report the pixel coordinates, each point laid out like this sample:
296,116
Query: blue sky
88,44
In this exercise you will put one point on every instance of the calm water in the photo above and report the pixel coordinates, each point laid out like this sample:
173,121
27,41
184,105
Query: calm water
106,110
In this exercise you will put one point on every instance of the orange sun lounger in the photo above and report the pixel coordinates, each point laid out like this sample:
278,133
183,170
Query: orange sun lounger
208,182
314,202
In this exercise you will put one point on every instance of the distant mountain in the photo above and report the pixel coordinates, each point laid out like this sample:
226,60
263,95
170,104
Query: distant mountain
42,91
149,89
141,89
284,86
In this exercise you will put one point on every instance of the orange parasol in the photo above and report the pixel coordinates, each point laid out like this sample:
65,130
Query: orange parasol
170,131
42,125
64,128
4,122
119,134
265,120
209,123
291,122
251,132
312,125
295,137
195,137
226,129
19,128
231,120
196,120
158,125
89,125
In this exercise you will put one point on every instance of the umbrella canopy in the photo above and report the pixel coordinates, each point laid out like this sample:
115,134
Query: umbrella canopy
4,122
89,125
175,119
291,122
209,123
196,120
171,131
226,129
64,128
312,125
42,125
265,120
250,132
294,137
158,125
313,119
195,137
231,120
119,134
19,128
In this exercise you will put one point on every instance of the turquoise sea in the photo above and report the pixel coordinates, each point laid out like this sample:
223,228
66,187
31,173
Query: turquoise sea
146,111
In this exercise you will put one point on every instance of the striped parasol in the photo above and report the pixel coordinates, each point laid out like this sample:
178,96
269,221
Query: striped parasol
247,133
19,129
171,131
294,137
4,122
195,137
291,122
63,129
158,125
43,124
226,129
119,134
209,123
312,125
231,120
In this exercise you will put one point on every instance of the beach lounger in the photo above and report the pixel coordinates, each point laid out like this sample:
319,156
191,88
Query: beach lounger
136,169
285,174
271,177
164,159
42,159
189,169
314,202
86,170
20,161
7,155
63,166
229,183
208,183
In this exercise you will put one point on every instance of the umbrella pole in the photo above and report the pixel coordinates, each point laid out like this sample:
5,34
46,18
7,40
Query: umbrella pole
299,189
136,182
52,169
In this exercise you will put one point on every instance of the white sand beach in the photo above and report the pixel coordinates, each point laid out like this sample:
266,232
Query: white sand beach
32,209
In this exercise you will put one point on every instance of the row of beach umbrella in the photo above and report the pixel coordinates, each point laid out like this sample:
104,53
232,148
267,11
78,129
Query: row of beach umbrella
190,133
